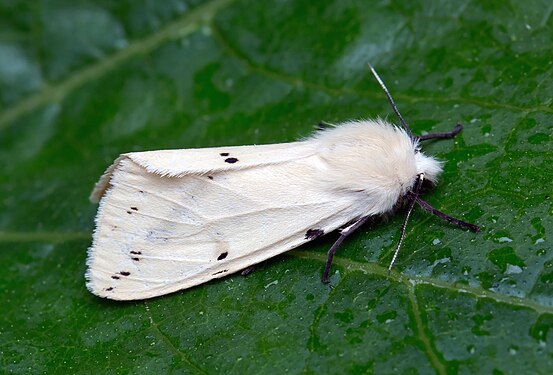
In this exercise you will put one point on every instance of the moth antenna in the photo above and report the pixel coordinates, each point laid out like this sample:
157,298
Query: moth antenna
404,226
401,120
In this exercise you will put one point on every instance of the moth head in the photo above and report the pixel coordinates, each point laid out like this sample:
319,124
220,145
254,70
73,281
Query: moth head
428,166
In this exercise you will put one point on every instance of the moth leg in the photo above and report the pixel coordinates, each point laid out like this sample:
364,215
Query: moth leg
447,135
248,270
345,233
323,125
428,208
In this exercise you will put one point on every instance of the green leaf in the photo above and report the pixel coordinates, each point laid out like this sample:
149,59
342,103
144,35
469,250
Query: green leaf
82,82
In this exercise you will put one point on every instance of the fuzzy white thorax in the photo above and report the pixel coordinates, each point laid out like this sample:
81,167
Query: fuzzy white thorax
374,158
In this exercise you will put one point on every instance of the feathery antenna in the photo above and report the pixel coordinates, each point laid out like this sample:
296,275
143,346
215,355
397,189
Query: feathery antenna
403,123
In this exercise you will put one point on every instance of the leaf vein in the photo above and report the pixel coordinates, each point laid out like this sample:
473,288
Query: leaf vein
433,357
183,26
476,291
155,327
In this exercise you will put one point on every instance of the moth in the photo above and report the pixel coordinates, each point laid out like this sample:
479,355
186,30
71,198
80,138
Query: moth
172,219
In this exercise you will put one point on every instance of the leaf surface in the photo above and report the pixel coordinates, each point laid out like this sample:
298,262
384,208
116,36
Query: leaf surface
82,82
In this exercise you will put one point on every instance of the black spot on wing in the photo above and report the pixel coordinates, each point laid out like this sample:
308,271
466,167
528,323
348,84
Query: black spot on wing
134,208
228,160
311,234
210,177
134,257
222,255
109,289
217,273
122,273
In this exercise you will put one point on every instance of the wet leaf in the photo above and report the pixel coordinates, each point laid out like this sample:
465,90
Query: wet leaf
82,82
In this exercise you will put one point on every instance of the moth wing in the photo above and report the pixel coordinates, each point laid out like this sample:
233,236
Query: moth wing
175,163
159,231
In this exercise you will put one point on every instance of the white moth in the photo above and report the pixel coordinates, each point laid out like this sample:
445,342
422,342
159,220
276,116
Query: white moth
169,220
